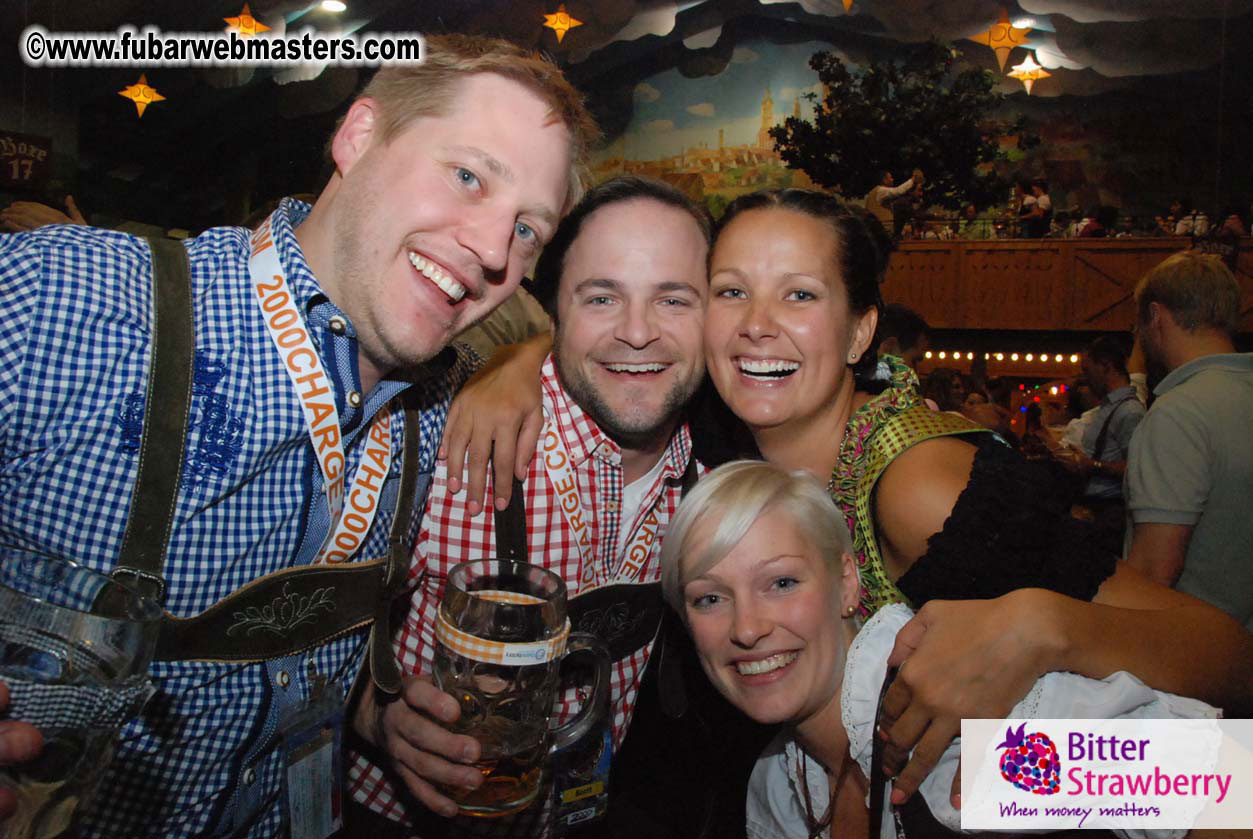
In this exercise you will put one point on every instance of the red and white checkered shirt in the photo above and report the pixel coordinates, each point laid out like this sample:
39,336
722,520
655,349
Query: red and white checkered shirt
449,535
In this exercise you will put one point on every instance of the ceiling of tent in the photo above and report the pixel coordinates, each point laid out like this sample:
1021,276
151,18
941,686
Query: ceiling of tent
219,117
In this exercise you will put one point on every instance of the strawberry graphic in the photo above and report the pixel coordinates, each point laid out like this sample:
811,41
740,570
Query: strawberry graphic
1030,762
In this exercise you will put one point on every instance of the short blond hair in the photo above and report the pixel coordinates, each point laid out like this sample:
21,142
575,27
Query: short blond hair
728,501
1198,289
406,92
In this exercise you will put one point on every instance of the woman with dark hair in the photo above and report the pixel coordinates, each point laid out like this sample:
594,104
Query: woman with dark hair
940,509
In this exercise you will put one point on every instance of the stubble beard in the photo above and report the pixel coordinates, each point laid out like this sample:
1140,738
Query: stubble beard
1155,367
357,284
351,222
636,434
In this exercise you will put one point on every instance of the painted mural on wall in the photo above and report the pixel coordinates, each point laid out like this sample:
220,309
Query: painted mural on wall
708,136
1133,150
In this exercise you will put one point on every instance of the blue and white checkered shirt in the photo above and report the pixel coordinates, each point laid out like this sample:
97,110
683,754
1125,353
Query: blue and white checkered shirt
75,328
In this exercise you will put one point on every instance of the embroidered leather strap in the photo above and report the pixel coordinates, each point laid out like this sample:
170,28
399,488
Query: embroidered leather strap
282,613
277,615
625,616
296,609
671,686
511,521
384,669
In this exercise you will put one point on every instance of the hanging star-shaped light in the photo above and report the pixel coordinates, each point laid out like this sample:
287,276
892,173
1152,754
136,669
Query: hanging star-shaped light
1027,73
141,94
561,22
246,25
1002,37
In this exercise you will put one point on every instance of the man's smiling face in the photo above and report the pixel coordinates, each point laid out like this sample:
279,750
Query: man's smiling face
435,227
630,316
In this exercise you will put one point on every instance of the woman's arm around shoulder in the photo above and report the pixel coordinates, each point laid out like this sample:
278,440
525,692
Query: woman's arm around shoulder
1172,641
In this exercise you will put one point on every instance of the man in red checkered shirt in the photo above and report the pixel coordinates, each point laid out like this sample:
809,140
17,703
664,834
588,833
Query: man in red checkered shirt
624,281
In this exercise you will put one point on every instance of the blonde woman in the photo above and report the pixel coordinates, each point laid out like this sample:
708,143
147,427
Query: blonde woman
758,563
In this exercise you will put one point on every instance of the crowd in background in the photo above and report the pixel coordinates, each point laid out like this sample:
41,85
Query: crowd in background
1149,491
1031,213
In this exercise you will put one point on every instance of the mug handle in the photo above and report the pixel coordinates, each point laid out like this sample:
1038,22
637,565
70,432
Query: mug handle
581,723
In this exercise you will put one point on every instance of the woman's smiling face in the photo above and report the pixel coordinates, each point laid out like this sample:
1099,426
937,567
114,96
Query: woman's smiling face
766,620
779,333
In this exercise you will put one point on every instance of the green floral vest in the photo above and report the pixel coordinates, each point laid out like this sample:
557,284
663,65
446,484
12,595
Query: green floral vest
879,431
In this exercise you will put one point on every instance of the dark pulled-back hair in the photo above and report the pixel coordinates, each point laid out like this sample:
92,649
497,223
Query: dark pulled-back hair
902,323
861,253
614,191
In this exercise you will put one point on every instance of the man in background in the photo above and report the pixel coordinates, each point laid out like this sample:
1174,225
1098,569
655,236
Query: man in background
880,199
1190,469
1106,440
902,332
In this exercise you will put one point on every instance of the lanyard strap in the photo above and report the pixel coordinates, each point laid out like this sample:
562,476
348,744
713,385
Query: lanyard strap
561,476
238,628
304,367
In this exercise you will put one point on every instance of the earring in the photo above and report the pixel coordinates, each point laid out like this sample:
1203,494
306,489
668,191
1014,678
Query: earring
848,613
852,357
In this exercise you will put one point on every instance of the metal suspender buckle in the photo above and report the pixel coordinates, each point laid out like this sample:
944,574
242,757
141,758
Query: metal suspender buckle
151,586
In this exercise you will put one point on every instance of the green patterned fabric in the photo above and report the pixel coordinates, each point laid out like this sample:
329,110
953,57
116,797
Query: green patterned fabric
879,431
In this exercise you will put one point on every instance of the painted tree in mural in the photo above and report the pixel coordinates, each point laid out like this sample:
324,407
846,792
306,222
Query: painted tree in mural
898,115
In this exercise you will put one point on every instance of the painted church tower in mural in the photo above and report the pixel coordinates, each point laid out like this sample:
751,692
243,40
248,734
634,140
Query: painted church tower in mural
767,122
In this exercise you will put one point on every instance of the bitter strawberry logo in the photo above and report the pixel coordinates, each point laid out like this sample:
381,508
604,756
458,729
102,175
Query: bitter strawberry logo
1030,762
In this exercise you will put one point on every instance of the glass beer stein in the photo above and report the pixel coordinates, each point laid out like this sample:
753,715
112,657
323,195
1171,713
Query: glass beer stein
502,633
74,652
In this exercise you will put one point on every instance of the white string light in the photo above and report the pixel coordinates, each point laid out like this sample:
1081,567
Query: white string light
956,355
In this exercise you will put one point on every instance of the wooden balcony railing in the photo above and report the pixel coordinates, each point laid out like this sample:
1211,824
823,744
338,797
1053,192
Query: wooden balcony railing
1050,284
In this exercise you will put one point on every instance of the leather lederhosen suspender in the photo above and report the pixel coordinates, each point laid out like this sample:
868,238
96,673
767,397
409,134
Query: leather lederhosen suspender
284,612
625,616
168,403
1103,434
